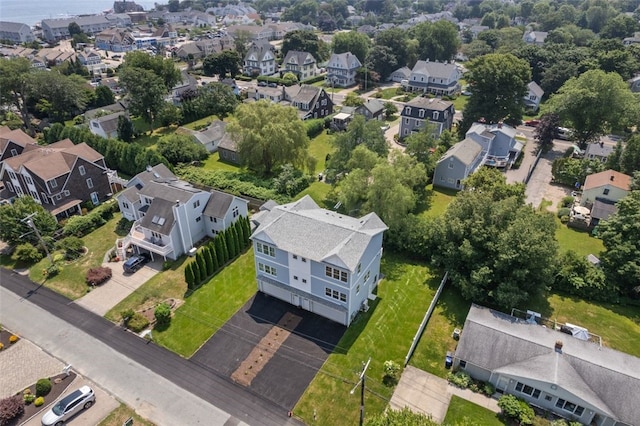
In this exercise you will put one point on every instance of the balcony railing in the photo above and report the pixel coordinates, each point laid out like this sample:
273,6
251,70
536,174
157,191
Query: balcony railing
156,245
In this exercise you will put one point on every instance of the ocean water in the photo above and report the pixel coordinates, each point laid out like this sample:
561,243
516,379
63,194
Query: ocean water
32,11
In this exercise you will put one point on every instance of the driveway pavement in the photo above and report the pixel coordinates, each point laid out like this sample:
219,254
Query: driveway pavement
105,296
287,374
425,393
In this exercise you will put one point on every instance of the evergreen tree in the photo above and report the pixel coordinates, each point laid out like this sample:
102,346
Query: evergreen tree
214,258
188,276
231,246
242,239
202,267
236,238
247,230
197,278
219,250
225,249
208,260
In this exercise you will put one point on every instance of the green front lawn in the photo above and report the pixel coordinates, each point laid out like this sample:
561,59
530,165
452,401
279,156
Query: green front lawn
462,411
460,102
579,241
202,122
70,282
121,414
383,333
319,147
213,162
437,201
209,307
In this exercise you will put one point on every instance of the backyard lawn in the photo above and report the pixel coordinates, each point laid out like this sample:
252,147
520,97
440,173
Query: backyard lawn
70,282
579,241
319,147
462,411
383,333
209,307
439,199
213,162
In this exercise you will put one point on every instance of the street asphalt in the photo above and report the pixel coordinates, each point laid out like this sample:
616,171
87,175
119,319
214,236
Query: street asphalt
158,384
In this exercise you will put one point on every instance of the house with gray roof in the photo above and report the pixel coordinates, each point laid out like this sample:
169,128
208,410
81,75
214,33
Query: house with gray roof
228,150
599,151
13,142
209,137
302,64
342,69
16,32
170,215
310,101
106,125
400,74
460,161
533,97
579,380
260,59
322,261
535,37
420,110
372,109
438,78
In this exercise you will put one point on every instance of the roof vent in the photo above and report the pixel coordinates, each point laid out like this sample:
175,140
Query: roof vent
612,178
558,346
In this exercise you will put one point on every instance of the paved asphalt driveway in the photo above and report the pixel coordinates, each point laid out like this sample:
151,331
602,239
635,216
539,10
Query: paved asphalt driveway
285,377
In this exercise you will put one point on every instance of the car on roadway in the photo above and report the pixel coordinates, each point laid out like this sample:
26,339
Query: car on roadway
262,83
135,262
385,127
69,406
273,84
532,123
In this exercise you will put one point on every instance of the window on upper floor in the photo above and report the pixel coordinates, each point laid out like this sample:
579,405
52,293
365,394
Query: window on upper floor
89,183
407,110
335,273
82,170
606,191
265,249
435,115
421,113
53,183
196,204
14,152
28,179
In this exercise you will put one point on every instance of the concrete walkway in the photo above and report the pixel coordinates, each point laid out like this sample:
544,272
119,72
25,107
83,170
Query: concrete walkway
425,393
105,296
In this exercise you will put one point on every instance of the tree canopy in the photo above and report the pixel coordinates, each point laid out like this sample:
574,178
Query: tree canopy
13,230
438,41
162,67
305,41
146,91
593,104
497,249
181,149
354,42
498,83
269,135
223,63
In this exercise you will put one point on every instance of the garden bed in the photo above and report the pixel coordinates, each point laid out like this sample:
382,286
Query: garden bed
5,339
149,311
59,385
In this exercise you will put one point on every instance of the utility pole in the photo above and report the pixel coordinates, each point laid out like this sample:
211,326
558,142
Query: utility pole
361,382
29,221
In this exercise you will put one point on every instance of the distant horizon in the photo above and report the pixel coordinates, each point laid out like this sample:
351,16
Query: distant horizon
31,12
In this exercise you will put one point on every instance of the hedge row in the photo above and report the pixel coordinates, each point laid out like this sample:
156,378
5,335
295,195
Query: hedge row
79,226
225,246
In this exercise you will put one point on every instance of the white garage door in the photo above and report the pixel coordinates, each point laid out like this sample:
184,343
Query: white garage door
331,313
275,291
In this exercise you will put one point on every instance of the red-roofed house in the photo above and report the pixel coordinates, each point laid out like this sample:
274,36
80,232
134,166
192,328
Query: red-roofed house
602,190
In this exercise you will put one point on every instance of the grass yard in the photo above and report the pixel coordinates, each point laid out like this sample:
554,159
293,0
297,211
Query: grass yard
70,281
120,415
319,147
579,241
318,191
389,93
462,411
450,313
167,284
202,122
209,307
213,162
383,333
439,199
460,102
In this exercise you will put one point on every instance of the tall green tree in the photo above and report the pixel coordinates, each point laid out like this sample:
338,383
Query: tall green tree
354,42
395,39
231,246
15,75
593,104
546,131
14,229
223,63
160,66
125,129
382,60
219,250
421,146
498,83
621,238
178,148
189,276
269,135
630,160
58,96
146,91
438,41
202,266
104,97
305,41
198,275
214,258
498,251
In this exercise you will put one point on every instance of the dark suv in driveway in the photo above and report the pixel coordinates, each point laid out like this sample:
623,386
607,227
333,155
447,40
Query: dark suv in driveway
135,262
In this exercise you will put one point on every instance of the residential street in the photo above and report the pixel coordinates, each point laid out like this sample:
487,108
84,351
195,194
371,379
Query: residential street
158,384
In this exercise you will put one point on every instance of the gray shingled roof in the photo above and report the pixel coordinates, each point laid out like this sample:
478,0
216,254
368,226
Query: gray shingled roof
599,150
496,341
159,217
167,191
109,123
218,204
345,60
466,151
435,69
296,57
433,104
318,234
535,89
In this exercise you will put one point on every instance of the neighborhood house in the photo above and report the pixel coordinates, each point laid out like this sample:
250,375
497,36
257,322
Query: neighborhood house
320,260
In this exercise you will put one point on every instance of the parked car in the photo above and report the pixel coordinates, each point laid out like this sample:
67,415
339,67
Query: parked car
532,123
273,84
262,83
565,134
69,406
385,127
135,262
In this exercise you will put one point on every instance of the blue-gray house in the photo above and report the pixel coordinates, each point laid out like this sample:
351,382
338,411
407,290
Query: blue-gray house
319,260
493,145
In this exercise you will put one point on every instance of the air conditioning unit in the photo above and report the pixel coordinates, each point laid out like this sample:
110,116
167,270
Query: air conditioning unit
365,306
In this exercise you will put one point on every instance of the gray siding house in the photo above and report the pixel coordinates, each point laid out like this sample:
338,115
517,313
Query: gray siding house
342,69
16,32
419,111
457,164
439,78
320,260
577,379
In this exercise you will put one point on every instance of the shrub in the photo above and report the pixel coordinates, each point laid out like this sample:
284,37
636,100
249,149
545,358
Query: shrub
43,387
137,322
72,246
517,409
1,346
126,315
564,219
163,314
96,276
391,369
39,401
567,201
488,389
314,127
27,252
564,211
473,387
459,379
28,398
13,338
10,408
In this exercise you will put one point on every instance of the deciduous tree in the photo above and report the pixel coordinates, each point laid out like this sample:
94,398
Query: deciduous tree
354,42
181,149
145,90
269,135
14,229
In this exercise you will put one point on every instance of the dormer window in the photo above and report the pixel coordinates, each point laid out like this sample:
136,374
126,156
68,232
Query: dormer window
408,111
436,114
421,113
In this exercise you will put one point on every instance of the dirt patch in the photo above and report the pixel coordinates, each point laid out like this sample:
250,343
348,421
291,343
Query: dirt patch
265,349
555,193
5,339
59,385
